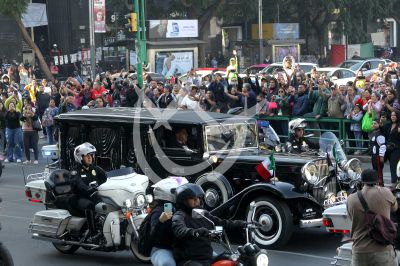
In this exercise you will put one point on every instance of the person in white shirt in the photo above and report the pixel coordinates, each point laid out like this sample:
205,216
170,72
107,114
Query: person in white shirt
191,101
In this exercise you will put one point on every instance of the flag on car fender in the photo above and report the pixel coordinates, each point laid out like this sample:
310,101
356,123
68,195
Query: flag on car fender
266,168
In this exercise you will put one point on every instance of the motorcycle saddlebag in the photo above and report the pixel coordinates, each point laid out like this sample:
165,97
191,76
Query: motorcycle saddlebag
51,223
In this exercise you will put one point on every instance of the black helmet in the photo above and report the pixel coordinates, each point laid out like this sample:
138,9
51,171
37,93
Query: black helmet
59,182
369,176
185,192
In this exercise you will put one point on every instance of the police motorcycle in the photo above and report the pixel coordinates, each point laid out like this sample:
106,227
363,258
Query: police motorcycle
247,255
119,212
336,220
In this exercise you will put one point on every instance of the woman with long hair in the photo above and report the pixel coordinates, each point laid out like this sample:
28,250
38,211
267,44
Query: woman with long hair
30,134
392,135
13,134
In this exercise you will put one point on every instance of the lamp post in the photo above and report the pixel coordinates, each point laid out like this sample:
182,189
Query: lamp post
260,30
92,42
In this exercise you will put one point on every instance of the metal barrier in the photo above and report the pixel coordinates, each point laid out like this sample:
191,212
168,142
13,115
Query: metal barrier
316,127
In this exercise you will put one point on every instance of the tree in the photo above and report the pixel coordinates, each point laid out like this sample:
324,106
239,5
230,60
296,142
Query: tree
14,9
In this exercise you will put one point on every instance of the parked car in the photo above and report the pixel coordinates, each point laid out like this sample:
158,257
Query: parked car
277,67
339,76
253,70
202,72
349,63
221,154
368,66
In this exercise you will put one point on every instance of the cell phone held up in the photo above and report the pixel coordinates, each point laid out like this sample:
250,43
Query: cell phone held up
168,207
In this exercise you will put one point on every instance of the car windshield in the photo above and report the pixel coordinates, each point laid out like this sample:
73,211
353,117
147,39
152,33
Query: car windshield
328,143
357,66
225,137
306,68
348,64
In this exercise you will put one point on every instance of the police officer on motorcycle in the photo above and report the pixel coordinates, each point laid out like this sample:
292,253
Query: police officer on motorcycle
82,176
297,143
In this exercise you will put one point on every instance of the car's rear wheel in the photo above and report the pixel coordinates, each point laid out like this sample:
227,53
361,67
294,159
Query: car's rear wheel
277,221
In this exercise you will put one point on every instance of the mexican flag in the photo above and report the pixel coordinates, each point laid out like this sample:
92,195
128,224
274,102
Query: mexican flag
266,168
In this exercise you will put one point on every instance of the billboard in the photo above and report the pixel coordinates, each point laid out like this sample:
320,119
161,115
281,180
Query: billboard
276,31
99,14
281,51
286,31
164,29
170,63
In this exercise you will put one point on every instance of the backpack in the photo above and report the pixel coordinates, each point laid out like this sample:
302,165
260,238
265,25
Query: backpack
380,228
47,118
145,243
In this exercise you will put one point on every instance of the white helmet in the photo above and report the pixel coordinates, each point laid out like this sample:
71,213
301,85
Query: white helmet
82,150
297,123
164,189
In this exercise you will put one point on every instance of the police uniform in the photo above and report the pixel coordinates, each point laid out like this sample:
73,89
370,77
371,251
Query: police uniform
300,145
81,178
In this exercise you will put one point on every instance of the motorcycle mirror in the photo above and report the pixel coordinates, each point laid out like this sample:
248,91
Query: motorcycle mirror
200,214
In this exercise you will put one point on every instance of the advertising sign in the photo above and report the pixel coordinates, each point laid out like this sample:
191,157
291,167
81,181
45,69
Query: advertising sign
280,51
286,31
99,14
164,29
276,31
170,63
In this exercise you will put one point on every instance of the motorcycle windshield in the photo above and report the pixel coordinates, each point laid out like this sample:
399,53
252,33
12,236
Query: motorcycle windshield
328,143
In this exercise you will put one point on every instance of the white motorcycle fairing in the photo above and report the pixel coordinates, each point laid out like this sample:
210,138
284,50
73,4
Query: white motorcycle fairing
121,188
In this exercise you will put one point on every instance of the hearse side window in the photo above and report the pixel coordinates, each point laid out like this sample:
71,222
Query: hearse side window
70,138
169,138
108,145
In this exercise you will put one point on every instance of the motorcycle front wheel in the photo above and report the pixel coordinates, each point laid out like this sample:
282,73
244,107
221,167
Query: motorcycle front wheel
65,249
135,251
5,256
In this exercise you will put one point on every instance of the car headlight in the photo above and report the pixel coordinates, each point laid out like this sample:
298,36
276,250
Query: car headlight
353,168
140,201
262,260
310,173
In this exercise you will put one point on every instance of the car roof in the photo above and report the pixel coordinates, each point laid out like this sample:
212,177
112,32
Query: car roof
148,116
331,69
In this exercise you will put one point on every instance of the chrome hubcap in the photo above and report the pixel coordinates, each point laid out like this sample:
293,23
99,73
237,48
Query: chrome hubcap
266,221
211,197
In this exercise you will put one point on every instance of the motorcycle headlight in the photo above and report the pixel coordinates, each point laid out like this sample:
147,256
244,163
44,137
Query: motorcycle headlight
310,173
140,201
353,168
262,260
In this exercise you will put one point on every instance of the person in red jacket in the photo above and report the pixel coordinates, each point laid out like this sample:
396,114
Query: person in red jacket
97,90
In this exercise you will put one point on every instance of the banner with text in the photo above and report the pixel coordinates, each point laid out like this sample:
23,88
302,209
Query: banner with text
164,29
99,14
172,63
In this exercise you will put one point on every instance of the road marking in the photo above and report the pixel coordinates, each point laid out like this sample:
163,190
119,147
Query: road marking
15,217
301,254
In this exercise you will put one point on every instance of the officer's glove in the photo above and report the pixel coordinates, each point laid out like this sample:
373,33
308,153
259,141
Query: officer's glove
92,191
200,232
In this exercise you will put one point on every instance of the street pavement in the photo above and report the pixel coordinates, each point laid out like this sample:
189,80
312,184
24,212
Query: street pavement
307,247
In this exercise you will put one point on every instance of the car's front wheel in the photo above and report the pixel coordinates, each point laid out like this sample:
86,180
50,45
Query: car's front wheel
276,219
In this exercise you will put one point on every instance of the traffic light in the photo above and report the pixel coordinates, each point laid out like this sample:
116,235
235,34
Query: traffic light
132,22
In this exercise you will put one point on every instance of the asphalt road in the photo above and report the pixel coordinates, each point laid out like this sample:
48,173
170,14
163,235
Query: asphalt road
307,247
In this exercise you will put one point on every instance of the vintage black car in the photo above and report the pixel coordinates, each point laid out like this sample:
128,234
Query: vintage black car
220,154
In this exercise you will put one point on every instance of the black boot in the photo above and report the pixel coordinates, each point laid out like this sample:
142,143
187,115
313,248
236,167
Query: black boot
94,236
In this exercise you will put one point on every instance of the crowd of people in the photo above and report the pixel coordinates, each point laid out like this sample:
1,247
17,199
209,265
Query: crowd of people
289,92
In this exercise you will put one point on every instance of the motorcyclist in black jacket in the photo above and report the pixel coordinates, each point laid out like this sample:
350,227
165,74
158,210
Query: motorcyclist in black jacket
192,245
84,174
